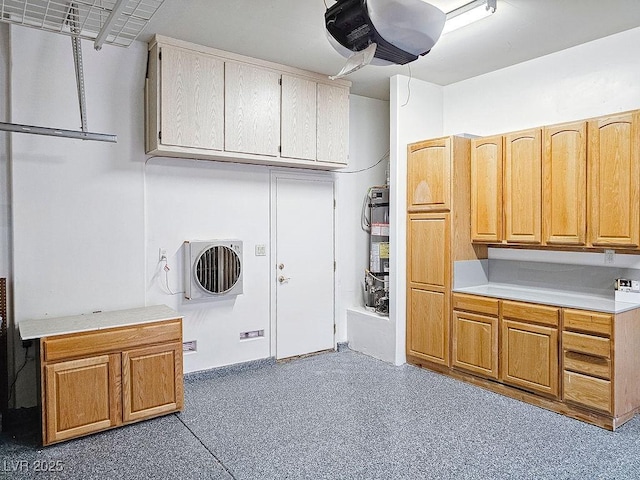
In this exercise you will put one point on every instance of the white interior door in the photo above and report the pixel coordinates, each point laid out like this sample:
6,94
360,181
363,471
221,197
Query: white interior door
304,263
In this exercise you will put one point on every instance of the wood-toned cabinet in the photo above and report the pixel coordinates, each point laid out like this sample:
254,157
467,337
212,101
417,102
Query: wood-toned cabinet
99,379
252,109
209,104
192,98
475,335
333,124
614,189
486,189
438,233
539,189
600,362
82,396
428,275
429,175
299,117
530,347
522,196
564,173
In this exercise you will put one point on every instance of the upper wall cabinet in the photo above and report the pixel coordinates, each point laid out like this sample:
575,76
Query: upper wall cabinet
192,99
564,173
614,185
486,189
252,109
210,104
299,117
522,186
429,175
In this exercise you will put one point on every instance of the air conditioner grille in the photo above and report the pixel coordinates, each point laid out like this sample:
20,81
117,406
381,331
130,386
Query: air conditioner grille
218,269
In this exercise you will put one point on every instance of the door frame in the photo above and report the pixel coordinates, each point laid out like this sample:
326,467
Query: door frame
274,175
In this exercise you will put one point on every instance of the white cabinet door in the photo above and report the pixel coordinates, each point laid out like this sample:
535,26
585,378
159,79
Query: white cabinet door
299,118
192,99
252,109
333,124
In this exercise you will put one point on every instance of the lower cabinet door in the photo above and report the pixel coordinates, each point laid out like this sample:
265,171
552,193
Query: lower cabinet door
428,325
530,357
81,397
475,343
151,381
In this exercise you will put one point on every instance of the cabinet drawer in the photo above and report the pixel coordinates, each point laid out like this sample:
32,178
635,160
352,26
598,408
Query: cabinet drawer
473,303
587,364
592,322
110,340
578,342
588,391
530,313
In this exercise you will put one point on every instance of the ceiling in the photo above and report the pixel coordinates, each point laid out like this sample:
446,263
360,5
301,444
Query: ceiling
291,32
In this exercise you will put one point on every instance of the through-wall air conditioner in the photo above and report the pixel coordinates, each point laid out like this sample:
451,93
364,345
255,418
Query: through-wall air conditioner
212,269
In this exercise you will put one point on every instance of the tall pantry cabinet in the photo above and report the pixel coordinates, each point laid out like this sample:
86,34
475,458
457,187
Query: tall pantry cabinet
438,233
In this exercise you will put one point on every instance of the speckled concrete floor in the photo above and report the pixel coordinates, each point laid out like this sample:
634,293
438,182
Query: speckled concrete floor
340,415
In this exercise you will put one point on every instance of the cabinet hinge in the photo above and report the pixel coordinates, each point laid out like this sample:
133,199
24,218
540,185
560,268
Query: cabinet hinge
280,81
160,55
279,148
334,265
159,135
334,328
334,203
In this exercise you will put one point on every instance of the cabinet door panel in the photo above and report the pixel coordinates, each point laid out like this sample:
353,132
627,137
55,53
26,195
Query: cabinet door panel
530,357
429,175
252,109
564,171
614,189
151,381
298,118
475,343
82,396
486,189
522,186
428,250
428,325
333,124
192,99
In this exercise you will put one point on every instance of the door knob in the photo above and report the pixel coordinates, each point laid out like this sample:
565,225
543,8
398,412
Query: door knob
283,279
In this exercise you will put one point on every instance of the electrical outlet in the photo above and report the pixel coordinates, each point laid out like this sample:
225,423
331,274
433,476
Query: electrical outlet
162,254
609,256
190,346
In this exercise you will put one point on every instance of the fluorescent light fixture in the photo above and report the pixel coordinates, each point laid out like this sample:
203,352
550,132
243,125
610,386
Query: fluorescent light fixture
469,13
57,132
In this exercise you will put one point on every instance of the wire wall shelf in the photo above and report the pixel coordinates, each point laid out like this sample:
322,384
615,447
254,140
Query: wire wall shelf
110,22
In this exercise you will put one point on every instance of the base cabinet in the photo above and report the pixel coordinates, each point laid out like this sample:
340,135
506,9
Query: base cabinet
151,381
82,397
530,357
132,373
578,363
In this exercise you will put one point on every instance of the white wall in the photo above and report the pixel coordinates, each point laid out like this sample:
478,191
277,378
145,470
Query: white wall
596,78
368,143
89,217
211,200
416,114
77,205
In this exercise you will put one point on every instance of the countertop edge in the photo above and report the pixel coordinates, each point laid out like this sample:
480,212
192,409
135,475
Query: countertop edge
576,301
46,327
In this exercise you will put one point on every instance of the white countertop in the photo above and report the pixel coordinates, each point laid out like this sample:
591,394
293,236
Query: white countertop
558,298
45,327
